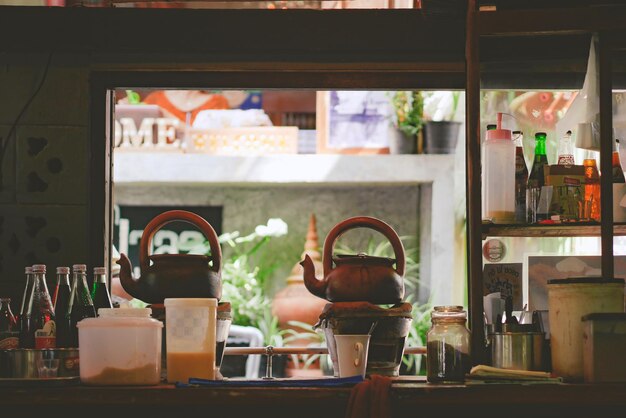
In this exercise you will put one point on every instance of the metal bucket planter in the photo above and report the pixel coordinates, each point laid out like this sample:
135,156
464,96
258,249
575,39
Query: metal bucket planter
387,340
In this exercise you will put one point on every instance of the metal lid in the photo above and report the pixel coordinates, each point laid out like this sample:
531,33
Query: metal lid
39,268
99,270
63,270
79,267
587,279
605,316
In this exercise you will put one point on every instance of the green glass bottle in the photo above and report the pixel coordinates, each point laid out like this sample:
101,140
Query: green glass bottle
536,181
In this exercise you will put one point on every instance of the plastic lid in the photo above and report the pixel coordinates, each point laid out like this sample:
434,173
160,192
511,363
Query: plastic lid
125,312
99,270
112,318
588,279
190,302
39,268
605,316
63,270
28,270
79,267
499,133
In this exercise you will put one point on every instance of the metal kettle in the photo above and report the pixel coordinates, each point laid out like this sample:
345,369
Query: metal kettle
174,275
358,277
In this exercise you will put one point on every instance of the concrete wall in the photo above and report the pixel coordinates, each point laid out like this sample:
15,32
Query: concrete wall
246,207
43,200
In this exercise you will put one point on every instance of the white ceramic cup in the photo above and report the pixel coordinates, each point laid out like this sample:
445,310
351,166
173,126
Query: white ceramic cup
352,354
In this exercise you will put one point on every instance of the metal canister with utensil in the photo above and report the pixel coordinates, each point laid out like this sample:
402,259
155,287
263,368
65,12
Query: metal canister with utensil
518,347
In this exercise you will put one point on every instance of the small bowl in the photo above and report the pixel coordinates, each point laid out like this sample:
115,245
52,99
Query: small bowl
21,363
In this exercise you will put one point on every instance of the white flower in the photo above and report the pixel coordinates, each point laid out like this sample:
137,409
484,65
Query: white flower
275,227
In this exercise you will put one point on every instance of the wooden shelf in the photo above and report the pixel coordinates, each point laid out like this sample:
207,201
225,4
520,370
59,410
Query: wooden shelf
563,230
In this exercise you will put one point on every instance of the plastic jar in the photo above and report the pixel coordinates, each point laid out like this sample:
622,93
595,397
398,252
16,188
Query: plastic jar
498,186
448,345
120,347
568,301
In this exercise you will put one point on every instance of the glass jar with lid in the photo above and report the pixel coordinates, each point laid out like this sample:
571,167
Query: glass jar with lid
448,345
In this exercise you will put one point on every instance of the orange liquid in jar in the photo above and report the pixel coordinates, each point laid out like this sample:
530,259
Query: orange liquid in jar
182,366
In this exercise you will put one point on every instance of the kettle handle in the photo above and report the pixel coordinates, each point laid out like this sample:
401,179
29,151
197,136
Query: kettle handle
363,222
163,219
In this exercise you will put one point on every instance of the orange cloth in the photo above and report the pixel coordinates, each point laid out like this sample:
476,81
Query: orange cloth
215,101
370,398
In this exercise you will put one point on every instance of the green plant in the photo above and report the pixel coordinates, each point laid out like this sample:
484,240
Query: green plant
305,333
272,334
245,269
408,109
441,105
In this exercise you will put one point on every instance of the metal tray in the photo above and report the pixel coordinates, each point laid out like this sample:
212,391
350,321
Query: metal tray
36,382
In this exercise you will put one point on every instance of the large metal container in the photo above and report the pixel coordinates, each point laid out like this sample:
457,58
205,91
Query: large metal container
21,363
518,350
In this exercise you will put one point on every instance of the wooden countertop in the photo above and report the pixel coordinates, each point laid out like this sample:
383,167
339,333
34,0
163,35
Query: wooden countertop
410,397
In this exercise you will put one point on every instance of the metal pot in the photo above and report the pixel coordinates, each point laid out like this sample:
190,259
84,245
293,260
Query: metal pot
21,363
518,350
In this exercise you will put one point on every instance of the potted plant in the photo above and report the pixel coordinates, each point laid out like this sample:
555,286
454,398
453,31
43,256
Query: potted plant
441,130
407,120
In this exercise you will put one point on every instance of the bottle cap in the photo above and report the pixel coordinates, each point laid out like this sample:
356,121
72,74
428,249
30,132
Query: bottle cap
99,270
39,268
63,270
540,134
499,133
28,270
79,267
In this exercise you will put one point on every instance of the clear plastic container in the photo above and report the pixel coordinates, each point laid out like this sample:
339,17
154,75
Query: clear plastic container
190,338
120,347
499,175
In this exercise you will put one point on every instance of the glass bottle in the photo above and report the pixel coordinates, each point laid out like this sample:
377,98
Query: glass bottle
9,335
566,150
521,178
448,345
536,180
40,313
99,290
23,325
618,173
80,305
591,204
61,301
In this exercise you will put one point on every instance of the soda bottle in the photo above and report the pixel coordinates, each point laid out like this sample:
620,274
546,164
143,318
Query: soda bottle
23,325
9,335
618,173
42,325
566,150
80,305
591,204
61,301
536,179
521,178
99,290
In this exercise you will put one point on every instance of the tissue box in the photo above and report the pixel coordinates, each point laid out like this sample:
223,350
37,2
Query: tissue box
604,345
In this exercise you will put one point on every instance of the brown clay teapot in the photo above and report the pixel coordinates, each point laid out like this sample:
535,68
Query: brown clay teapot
174,275
358,277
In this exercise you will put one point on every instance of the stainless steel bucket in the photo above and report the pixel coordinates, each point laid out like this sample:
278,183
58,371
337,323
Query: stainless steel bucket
518,350
22,362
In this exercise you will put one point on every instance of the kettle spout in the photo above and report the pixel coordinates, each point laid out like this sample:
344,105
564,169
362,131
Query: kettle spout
129,284
315,286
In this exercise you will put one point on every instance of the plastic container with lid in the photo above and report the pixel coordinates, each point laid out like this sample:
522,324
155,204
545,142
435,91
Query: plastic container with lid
604,345
498,186
568,301
120,347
